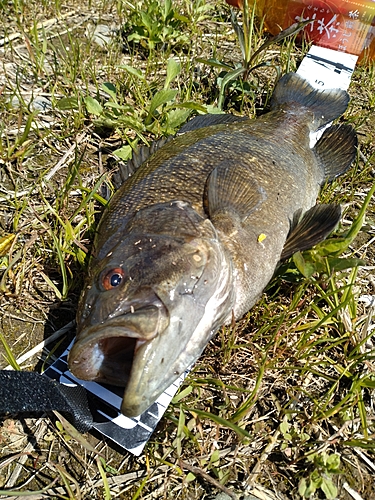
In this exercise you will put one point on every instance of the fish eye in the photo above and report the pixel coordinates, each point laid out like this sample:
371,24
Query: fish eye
111,279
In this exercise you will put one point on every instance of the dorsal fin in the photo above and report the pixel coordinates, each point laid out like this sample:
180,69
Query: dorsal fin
315,226
140,155
143,153
202,121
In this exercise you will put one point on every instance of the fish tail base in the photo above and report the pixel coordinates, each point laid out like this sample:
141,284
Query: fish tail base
326,105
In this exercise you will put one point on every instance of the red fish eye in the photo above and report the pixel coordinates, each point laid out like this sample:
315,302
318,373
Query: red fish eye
113,278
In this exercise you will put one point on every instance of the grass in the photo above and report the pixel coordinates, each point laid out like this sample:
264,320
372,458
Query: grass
281,403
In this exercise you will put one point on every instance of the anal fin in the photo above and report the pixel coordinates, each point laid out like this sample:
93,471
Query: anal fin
315,226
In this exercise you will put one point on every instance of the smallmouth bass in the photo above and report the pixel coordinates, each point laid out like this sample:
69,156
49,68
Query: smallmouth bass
193,237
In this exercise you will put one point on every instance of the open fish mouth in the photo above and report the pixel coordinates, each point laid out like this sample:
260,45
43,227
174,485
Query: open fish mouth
105,353
107,356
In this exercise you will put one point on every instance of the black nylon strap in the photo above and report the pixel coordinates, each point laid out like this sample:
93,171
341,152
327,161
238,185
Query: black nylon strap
28,392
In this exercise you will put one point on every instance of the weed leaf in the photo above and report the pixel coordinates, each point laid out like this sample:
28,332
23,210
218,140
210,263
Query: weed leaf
93,106
173,69
160,98
67,103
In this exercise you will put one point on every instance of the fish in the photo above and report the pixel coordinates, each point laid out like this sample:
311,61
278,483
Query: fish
193,236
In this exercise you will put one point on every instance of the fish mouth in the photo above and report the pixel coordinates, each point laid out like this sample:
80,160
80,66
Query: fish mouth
106,352
107,356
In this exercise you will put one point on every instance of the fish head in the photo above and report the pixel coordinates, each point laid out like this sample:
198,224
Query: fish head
152,304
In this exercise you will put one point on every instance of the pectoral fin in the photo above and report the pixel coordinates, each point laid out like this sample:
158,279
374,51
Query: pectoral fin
232,190
315,225
336,150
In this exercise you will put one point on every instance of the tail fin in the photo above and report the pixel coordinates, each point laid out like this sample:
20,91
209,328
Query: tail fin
292,90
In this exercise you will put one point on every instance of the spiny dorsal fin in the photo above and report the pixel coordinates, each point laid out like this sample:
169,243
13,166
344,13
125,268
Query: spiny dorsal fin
326,105
143,153
202,121
336,150
233,189
315,226
140,155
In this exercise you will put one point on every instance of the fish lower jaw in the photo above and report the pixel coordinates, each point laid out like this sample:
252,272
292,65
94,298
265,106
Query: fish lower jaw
135,407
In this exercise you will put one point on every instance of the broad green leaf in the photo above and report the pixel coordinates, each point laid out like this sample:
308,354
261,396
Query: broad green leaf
312,485
284,427
231,75
133,71
173,69
146,20
131,122
328,488
125,153
67,103
213,110
304,267
176,118
193,105
332,246
93,106
124,108
334,462
160,98
223,82
337,264
168,11
109,89
302,487
189,477
215,457
135,37
183,19
308,487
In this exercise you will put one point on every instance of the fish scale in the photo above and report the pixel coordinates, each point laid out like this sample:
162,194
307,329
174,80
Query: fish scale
173,175
191,239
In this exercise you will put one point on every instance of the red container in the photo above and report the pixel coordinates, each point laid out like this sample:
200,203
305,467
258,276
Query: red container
343,25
